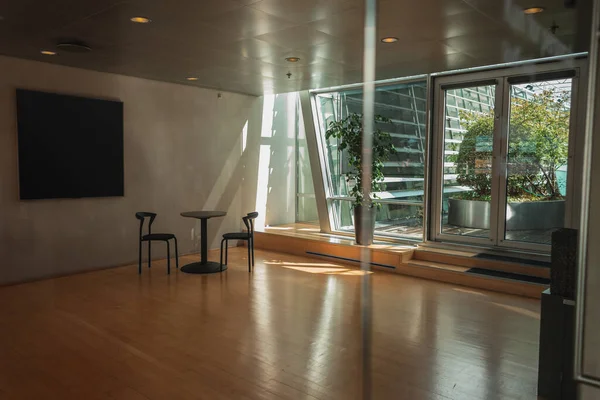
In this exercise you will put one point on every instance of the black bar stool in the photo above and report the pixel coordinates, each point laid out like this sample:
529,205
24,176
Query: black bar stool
154,236
248,236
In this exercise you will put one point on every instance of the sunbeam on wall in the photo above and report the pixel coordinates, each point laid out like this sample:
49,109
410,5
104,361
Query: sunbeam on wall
276,175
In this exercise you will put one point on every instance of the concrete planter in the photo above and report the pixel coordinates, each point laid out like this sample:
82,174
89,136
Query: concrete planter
520,216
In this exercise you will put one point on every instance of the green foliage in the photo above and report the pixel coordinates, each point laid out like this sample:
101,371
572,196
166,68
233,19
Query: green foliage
349,132
538,147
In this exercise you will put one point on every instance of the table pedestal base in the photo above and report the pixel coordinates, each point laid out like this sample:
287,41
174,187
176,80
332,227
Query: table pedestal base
209,267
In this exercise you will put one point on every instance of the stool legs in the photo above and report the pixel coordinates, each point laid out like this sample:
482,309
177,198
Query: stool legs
140,257
168,257
249,257
252,241
176,254
221,255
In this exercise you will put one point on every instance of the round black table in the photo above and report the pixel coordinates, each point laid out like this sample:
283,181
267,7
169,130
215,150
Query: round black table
203,266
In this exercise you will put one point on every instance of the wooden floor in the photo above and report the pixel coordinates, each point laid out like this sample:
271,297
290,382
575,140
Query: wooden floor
290,330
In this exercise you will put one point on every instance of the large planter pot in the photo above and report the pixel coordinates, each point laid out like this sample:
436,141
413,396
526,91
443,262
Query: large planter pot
469,213
519,216
364,217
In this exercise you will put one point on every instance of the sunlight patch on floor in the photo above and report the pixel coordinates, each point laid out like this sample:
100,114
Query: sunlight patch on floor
327,271
317,267
304,264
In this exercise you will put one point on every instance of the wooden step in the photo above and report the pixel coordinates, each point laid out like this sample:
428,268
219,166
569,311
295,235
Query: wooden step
536,268
384,256
406,260
460,275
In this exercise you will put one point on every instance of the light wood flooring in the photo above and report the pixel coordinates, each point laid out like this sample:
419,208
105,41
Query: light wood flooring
289,330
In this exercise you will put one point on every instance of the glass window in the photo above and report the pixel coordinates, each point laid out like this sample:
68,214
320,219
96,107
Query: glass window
467,160
400,209
391,219
537,162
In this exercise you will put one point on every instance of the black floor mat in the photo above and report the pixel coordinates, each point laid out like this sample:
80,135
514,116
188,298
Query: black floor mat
494,257
508,275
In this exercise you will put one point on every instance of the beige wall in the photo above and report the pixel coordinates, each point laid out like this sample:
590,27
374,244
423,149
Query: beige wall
183,151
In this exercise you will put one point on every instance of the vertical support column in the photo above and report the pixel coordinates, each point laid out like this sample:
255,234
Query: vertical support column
366,305
587,339
428,164
316,161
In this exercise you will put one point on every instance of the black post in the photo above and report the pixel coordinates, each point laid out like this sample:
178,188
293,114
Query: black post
204,241
150,244
168,257
176,253
140,256
249,257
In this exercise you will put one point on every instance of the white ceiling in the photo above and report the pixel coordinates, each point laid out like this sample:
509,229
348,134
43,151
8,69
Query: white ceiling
241,45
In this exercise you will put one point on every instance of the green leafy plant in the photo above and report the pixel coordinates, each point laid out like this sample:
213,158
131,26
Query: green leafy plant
349,132
538,147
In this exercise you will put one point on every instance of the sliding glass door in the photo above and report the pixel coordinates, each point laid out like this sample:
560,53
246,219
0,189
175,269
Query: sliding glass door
501,146
537,146
466,165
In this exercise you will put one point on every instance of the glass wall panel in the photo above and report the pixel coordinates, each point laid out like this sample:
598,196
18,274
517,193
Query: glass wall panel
468,140
405,105
501,162
538,149
391,219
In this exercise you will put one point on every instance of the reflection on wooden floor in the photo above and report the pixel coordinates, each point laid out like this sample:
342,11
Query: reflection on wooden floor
289,330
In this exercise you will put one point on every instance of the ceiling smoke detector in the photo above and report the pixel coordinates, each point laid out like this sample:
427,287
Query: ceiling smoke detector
74,46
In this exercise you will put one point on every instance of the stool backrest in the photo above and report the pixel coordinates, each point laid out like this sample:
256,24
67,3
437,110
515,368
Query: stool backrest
249,222
142,215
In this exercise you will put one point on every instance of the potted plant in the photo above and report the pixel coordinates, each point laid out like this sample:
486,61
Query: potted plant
349,132
538,152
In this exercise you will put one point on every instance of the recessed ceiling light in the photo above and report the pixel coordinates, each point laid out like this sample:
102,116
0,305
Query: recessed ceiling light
140,20
533,10
292,59
191,78
48,52
389,39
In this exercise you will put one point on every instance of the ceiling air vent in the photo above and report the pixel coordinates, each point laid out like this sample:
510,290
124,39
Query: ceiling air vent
74,46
